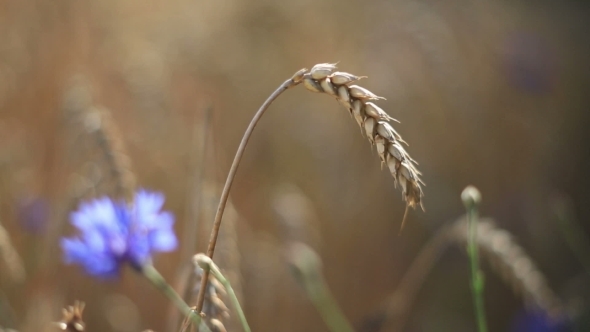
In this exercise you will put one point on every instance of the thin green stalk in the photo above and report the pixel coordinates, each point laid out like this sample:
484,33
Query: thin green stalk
207,263
572,232
307,265
160,283
471,199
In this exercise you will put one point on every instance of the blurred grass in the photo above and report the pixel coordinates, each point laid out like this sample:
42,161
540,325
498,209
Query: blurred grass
489,93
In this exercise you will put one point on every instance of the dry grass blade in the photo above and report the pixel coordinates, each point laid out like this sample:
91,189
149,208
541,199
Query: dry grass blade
99,124
374,121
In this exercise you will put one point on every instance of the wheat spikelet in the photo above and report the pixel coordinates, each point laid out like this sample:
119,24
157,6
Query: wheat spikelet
373,121
214,308
510,261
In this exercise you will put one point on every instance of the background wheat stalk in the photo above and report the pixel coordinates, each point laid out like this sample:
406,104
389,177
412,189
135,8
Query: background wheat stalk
497,246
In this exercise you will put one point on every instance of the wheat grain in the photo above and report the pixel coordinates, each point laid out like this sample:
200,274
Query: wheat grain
374,121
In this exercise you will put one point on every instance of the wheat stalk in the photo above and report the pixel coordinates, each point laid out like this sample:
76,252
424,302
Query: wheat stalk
511,262
371,118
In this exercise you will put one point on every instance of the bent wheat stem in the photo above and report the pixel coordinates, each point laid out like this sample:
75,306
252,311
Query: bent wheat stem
291,82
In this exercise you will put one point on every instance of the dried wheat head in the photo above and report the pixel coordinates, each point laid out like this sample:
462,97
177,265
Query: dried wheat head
373,121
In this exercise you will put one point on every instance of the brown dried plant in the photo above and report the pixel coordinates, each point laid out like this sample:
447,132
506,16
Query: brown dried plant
99,124
374,121
497,246
72,318
214,311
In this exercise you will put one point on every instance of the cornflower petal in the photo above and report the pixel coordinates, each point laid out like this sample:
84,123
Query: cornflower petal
113,233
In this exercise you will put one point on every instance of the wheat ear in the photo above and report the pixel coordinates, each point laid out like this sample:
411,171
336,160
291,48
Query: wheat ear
214,309
497,246
511,262
100,123
205,262
324,78
374,122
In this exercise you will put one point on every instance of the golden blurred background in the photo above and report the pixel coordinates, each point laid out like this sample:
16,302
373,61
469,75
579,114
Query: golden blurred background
489,93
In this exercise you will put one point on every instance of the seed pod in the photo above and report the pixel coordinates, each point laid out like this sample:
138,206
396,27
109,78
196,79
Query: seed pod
312,85
326,84
322,70
362,93
340,78
344,97
376,112
370,126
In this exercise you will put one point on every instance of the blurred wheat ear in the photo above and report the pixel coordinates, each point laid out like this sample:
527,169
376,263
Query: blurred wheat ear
104,134
497,246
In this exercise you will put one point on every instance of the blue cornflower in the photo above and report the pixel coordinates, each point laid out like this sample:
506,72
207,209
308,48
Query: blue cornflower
113,233
537,321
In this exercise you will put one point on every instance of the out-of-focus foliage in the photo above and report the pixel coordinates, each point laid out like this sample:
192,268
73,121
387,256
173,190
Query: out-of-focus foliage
490,93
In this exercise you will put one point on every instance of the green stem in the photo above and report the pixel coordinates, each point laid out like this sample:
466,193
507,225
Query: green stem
207,263
572,232
471,198
326,304
160,283
307,263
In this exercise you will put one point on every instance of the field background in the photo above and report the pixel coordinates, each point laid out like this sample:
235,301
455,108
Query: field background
489,93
